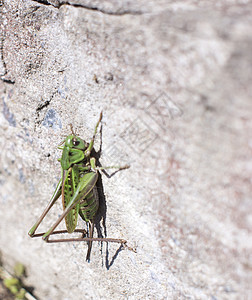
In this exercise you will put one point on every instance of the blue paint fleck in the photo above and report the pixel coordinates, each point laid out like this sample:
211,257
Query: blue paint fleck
7,171
172,284
8,115
175,241
52,120
21,176
31,187
26,137
61,93
154,277
4,199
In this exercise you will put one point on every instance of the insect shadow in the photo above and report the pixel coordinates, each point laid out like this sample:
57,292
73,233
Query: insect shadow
100,217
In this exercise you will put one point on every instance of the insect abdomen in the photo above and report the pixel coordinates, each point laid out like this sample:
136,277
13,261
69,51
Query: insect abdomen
89,205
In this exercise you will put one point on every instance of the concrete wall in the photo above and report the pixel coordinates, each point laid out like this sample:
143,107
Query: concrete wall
173,79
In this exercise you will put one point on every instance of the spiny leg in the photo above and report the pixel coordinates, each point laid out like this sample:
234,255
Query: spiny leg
89,239
91,233
83,231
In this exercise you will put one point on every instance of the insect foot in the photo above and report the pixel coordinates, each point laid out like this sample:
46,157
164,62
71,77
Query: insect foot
125,246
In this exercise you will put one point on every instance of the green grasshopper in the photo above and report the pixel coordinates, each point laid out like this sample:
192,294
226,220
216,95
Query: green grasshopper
78,190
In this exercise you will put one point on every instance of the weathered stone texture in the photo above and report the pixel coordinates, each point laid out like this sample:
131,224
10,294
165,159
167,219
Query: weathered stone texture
173,79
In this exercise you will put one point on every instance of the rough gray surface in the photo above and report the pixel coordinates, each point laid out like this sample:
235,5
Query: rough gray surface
173,79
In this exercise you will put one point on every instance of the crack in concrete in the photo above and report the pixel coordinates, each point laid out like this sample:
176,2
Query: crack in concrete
43,105
44,2
2,60
40,108
2,57
46,103
93,8
9,81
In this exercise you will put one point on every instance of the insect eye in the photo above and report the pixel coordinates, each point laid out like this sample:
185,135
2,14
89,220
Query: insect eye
75,143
